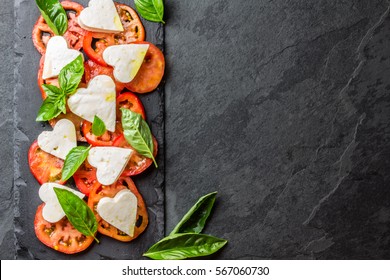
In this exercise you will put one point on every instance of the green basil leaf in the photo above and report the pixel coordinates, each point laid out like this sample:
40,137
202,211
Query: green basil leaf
152,10
185,245
74,159
78,213
98,126
137,133
54,15
195,219
70,76
53,105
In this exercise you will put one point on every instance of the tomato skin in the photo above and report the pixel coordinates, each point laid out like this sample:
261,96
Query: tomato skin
130,101
44,166
54,235
107,139
85,178
151,72
110,191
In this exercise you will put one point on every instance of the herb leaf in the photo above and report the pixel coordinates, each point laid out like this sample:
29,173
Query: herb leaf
152,10
54,15
98,126
137,133
185,245
195,219
70,76
74,159
78,213
53,105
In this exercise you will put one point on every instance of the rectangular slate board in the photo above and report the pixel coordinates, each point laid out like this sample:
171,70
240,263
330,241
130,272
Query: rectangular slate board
27,102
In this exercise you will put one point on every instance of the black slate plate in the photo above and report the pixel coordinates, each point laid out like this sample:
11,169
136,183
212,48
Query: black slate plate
27,102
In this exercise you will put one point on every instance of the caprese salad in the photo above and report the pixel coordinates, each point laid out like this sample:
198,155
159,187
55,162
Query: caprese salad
95,61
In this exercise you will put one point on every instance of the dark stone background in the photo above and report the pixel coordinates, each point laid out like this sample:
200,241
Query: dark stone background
280,106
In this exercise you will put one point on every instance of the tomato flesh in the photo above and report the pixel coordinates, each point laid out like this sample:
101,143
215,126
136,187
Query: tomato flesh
107,139
129,101
85,178
60,236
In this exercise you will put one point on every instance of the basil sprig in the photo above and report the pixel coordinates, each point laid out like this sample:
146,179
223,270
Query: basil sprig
98,126
55,102
152,10
78,213
137,133
74,159
54,15
186,241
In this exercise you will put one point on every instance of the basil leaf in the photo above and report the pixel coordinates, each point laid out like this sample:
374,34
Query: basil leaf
137,133
196,217
54,15
70,76
185,245
98,126
78,213
53,105
74,159
152,10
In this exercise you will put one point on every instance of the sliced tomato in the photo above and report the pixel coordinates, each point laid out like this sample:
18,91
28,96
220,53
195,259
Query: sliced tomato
137,163
151,72
95,43
44,166
85,178
107,139
60,236
92,69
129,101
74,34
76,120
110,191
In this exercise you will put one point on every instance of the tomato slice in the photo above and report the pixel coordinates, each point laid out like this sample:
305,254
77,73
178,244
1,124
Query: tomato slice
95,43
74,34
76,120
60,236
110,191
137,163
107,139
129,101
92,69
44,166
151,72
85,178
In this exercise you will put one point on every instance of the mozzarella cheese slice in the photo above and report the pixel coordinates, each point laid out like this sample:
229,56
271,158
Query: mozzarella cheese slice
52,211
59,141
109,162
126,60
100,16
57,56
99,99
120,211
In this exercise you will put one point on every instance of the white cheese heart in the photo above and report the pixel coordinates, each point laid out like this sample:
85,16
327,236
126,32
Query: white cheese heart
100,16
59,141
109,162
52,211
120,211
99,99
57,56
126,60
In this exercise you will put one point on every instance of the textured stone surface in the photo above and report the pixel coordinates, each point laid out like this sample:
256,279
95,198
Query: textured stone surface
283,108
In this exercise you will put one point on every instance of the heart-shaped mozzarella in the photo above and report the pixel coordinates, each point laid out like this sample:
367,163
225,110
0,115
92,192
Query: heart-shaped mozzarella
52,211
100,16
57,56
109,162
126,60
59,141
120,211
99,99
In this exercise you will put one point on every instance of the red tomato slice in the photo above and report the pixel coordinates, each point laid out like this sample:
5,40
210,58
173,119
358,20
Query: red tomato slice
85,178
110,191
92,69
137,163
107,139
95,43
74,34
129,101
44,166
151,72
60,236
